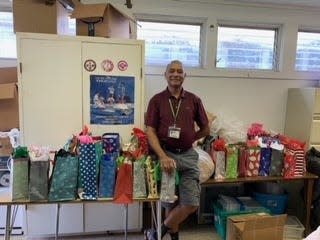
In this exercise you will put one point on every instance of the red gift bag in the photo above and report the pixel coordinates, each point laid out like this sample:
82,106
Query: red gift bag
124,184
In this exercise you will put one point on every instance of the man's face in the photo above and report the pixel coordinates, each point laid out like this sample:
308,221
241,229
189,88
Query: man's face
175,75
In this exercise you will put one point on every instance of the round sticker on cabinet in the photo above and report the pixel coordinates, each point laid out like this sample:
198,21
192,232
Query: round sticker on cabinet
90,65
107,65
122,65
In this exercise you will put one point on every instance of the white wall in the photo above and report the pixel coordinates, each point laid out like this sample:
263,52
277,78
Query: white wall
245,96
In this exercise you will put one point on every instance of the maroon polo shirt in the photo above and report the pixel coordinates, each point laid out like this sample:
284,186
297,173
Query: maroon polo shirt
160,117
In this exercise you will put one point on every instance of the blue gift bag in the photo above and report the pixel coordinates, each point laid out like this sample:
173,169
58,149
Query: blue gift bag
107,178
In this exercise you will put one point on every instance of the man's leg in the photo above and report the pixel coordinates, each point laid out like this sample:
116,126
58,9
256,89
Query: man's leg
177,215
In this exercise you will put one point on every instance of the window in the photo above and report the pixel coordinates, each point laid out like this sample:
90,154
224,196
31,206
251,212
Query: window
8,47
246,47
308,51
169,41
7,37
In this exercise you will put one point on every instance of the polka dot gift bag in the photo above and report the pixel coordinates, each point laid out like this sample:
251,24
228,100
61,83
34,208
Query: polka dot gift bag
88,171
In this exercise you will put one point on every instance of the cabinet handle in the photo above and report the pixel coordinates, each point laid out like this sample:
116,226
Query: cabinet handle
316,116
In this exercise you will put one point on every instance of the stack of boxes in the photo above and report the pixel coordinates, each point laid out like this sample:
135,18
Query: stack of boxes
40,16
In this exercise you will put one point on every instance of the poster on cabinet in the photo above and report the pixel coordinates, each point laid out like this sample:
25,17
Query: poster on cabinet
113,87
111,100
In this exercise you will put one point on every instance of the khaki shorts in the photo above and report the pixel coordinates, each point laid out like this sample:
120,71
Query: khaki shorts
188,189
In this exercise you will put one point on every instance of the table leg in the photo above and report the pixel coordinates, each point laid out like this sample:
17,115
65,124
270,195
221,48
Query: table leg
8,223
57,221
126,221
159,219
308,198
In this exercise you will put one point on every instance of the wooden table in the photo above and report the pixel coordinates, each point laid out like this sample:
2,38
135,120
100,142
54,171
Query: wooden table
308,179
156,219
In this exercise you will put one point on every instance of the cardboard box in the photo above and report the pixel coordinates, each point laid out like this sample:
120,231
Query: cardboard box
5,147
256,226
9,103
37,16
103,20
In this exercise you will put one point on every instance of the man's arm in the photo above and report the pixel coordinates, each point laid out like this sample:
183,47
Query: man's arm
154,142
203,132
167,163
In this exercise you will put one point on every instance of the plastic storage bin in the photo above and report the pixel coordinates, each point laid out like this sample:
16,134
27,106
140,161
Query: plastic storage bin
221,216
277,204
293,230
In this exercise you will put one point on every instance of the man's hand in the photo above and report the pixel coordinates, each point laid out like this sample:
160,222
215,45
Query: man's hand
168,164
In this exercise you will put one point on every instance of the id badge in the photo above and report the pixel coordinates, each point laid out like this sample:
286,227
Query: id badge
174,132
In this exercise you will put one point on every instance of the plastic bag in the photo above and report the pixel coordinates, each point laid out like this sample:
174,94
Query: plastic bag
232,130
206,165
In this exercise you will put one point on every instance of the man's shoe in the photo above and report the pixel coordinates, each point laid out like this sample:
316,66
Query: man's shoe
150,234
174,236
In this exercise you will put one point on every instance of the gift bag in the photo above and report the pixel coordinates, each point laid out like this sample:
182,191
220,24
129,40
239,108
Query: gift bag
219,157
232,161
168,187
88,171
39,173
111,142
107,175
139,179
218,154
151,178
124,184
277,159
243,156
63,183
20,174
265,161
253,161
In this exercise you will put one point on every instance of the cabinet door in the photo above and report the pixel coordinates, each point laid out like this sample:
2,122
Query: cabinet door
18,225
41,219
115,73
50,90
102,217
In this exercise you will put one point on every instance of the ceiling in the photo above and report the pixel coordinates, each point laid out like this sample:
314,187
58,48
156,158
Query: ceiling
293,3
278,3
6,4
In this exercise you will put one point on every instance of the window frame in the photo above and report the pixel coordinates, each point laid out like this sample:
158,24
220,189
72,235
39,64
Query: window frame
278,28
202,22
8,10
304,29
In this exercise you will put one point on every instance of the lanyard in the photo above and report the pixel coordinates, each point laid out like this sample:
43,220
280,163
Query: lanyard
175,114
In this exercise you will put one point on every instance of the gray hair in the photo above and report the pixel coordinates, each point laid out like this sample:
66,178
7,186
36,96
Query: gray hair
173,62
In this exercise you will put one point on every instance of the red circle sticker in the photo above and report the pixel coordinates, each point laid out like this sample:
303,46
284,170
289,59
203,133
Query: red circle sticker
122,65
107,65
90,65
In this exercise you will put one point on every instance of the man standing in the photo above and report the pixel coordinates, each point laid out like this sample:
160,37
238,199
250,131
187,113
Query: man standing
170,121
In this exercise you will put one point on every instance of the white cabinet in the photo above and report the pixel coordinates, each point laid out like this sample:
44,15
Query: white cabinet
303,116
55,102
103,217
41,219
17,212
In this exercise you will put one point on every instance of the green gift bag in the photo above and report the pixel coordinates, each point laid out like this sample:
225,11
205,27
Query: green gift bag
20,174
64,178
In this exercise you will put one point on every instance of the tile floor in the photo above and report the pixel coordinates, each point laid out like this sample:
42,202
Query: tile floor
199,232
190,230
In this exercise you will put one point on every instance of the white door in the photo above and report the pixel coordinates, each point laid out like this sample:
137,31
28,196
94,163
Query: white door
50,85
50,102
114,71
